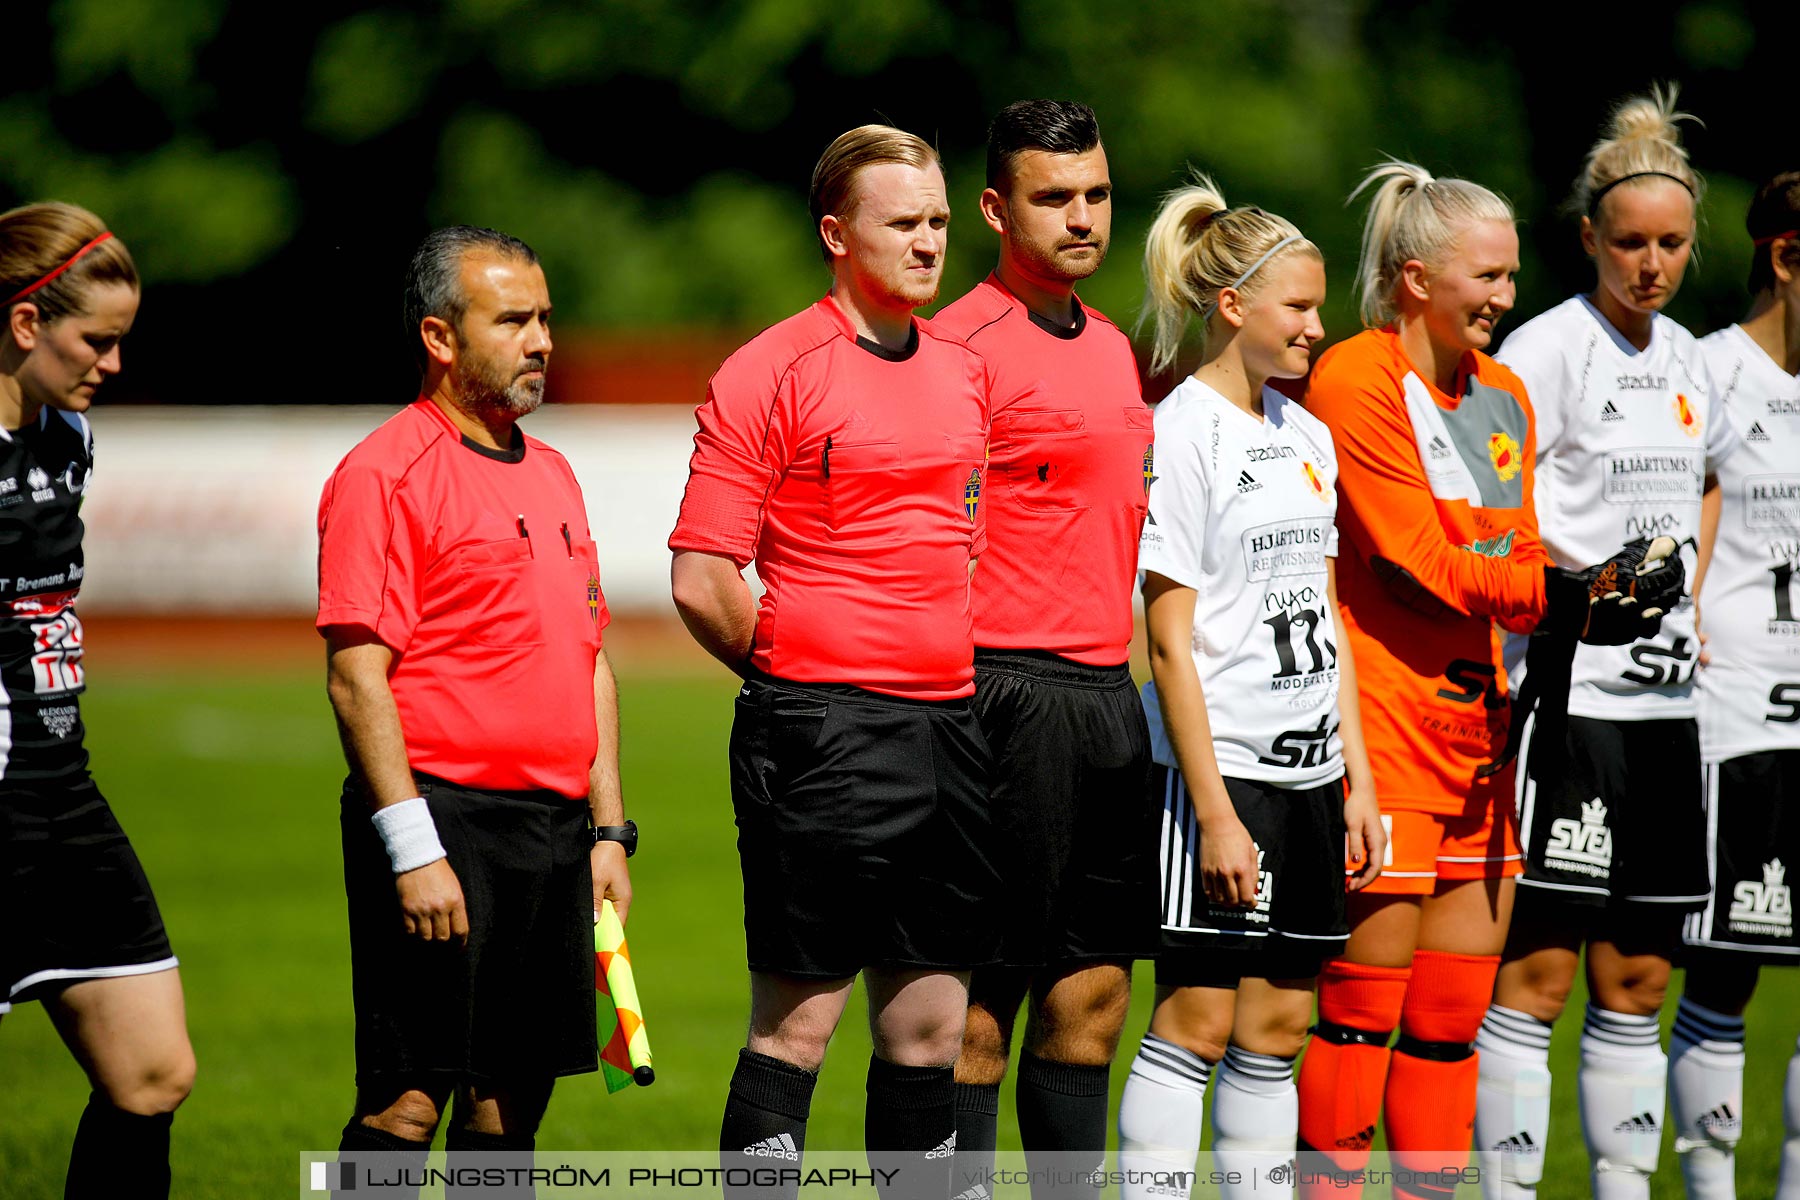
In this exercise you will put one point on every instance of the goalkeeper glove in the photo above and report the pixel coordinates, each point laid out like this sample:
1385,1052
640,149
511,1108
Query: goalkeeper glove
1618,601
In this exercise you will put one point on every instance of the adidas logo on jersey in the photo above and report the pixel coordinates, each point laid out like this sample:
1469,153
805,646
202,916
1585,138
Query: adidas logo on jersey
1609,413
944,1149
1756,433
1518,1143
780,1146
1642,1123
1439,448
978,1192
1247,482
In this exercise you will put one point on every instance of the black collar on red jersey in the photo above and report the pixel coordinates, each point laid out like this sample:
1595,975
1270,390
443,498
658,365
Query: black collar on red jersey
512,454
901,355
1067,333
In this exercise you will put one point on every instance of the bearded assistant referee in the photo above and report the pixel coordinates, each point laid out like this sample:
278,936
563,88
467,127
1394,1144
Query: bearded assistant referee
1069,465
842,451
459,593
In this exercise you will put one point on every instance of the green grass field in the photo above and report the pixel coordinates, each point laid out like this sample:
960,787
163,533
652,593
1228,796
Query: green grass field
228,787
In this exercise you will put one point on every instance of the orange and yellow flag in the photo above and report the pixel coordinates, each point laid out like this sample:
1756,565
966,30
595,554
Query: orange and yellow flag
625,1049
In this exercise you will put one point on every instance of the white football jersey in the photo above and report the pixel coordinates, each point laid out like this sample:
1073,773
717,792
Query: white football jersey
1750,599
1625,440
1244,512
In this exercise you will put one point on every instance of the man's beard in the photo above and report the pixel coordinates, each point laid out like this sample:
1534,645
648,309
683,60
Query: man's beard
483,387
1051,264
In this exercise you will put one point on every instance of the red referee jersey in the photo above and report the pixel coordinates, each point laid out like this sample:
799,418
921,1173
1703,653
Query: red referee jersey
476,568
853,477
1069,466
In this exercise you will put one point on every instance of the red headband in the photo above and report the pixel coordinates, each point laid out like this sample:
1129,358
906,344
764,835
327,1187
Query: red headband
72,260
1776,237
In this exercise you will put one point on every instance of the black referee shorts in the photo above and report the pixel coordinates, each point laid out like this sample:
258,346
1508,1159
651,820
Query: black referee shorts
1074,824
74,901
1300,916
1752,842
1614,816
862,830
518,1001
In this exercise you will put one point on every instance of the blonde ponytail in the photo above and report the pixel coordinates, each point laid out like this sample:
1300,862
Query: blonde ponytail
1413,216
1197,247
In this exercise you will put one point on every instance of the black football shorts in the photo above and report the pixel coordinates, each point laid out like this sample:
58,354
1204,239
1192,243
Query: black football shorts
863,831
76,901
1752,842
1299,919
518,1001
1074,824
1614,816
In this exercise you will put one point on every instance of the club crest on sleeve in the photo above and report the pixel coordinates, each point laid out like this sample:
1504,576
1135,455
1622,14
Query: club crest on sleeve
972,494
1504,454
1684,413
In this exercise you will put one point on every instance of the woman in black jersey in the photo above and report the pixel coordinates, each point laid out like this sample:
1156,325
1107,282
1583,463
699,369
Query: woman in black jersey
92,949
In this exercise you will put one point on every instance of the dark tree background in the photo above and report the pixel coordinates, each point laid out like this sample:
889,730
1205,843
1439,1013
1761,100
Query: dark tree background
271,166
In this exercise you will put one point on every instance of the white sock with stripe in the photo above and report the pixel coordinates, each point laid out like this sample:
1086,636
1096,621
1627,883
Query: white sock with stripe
1161,1112
1624,1075
1256,1120
1706,1097
1512,1100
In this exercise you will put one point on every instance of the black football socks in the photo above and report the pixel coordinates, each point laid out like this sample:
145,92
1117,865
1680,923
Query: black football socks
118,1154
765,1125
1062,1121
379,1161
909,1130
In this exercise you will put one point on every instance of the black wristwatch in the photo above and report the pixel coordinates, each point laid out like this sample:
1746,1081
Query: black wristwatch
625,835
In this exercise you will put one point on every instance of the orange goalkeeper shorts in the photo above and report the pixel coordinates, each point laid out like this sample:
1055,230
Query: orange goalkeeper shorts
1426,847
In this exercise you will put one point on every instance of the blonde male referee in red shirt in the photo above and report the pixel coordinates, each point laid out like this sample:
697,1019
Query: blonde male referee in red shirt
1069,468
459,593
842,451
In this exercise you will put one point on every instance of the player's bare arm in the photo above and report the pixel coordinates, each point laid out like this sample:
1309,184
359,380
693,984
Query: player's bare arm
431,899
606,797
1227,852
715,605
1712,503
1362,810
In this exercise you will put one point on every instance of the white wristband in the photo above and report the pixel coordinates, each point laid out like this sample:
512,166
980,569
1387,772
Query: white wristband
407,831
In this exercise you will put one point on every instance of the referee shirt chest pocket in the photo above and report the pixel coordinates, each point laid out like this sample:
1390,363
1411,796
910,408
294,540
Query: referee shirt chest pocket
489,586
584,588
1039,453
1140,429
862,482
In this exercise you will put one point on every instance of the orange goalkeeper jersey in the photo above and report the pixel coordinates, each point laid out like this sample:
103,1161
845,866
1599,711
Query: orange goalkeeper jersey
1438,543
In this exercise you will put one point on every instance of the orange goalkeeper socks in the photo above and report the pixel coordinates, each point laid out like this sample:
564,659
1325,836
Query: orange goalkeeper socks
1345,1070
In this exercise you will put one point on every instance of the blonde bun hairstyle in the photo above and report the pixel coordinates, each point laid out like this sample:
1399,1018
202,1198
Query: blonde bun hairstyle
1196,248
1642,140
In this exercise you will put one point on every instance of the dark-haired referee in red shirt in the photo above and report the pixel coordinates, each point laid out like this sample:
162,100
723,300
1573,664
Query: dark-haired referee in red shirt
1068,469
459,593
842,451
